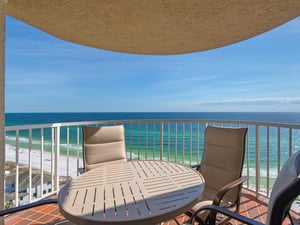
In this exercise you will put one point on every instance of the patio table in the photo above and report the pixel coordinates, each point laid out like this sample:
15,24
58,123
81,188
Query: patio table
133,192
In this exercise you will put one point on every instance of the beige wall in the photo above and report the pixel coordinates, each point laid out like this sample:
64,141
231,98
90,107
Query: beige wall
2,110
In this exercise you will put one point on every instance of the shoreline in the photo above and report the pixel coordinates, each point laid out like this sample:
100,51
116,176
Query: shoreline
66,163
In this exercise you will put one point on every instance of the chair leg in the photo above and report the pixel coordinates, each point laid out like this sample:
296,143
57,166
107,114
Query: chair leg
224,221
291,218
176,221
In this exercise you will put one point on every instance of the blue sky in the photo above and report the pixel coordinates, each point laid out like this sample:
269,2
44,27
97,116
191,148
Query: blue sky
46,74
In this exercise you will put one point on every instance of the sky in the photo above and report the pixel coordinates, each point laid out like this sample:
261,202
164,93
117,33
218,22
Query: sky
46,74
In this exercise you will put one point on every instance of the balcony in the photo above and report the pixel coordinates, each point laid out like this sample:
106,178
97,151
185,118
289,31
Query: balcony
250,206
47,154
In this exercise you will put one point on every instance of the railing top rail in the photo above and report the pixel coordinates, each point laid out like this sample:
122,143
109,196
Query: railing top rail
31,126
83,123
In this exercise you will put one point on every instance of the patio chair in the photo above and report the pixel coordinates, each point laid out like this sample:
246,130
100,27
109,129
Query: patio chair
221,167
285,190
104,144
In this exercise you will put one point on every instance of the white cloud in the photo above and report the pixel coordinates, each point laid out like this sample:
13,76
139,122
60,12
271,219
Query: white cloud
255,101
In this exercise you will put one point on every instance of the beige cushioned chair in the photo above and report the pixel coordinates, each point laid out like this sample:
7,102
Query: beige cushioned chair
285,190
221,167
104,144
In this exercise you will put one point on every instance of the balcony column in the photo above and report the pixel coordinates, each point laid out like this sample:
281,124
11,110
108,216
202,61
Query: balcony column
2,104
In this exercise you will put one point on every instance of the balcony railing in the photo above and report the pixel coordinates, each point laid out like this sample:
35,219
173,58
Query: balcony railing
43,157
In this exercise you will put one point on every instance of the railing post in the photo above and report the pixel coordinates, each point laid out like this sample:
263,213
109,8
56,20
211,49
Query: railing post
154,137
130,141
278,150
268,160
139,134
191,143
57,154
257,160
146,144
169,142
52,158
17,170
77,144
198,141
290,142
176,142
182,139
68,152
30,165
2,104
161,140
42,162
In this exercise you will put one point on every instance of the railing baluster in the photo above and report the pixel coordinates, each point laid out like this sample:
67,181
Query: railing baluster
42,162
257,160
161,152
139,150
268,160
198,141
290,141
146,141
77,144
191,142
57,148
176,142
169,141
278,150
248,155
130,130
30,165
17,188
182,155
68,151
154,135
52,159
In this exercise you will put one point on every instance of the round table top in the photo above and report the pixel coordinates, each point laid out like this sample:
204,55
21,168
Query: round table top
132,192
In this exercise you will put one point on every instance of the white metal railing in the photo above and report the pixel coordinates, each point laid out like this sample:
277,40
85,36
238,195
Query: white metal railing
50,154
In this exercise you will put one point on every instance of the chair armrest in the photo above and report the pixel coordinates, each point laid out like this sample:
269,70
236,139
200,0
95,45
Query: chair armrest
226,212
196,166
227,188
27,206
80,171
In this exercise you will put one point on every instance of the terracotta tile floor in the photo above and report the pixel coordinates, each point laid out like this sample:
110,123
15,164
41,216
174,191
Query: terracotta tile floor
49,214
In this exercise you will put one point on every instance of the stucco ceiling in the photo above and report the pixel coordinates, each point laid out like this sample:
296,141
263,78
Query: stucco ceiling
154,26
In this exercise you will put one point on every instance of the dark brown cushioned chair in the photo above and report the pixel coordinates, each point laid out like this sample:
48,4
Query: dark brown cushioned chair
221,167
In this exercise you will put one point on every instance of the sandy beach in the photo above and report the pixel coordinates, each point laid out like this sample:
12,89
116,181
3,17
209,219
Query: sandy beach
66,163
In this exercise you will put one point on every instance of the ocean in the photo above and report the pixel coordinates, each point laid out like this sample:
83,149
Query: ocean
12,119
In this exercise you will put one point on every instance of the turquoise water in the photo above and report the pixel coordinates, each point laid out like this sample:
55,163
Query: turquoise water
41,118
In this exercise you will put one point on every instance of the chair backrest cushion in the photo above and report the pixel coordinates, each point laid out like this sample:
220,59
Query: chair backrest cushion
102,145
223,158
285,189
